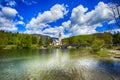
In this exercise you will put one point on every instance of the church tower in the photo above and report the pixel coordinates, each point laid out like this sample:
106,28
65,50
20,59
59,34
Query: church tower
59,38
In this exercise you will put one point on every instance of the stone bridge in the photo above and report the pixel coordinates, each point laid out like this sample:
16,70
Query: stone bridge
74,45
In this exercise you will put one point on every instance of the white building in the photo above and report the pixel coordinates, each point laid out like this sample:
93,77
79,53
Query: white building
57,41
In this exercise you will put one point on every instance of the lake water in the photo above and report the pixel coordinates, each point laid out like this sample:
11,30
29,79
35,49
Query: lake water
56,64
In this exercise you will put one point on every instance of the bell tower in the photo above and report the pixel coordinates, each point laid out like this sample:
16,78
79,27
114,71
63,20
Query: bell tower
59,38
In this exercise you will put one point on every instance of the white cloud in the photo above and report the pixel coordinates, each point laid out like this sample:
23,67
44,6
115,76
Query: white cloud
98,15
86,22
67,24
20,17
54,32
20,23
112,22
33,31
42,20
6,24
81,21
9,12
29,2
77,15
11,3
7,16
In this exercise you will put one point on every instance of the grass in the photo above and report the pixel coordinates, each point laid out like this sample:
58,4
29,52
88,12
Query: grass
103,53
34,46
53,47
9,47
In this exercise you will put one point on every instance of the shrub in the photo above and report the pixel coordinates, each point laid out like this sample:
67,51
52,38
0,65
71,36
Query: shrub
97,44
103,53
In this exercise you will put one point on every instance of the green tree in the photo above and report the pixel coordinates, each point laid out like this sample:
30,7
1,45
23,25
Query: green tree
116,38
35,40
97,44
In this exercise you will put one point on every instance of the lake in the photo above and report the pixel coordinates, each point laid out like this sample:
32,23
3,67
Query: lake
56,64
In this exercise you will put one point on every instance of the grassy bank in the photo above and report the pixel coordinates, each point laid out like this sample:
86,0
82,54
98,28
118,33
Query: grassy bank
34,46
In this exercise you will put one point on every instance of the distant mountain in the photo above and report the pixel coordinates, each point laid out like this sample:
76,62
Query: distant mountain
44,39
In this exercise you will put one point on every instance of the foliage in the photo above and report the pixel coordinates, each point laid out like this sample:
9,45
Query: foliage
97,41
103,53
78,39
114,7
97,44
45,40
116,38
107,37
24,41
53,47
20,40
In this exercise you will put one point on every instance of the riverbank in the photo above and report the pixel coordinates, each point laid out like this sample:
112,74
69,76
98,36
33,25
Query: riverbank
103,52
115,54
33,46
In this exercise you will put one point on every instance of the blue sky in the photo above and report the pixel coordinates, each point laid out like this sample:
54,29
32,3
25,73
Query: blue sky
51,17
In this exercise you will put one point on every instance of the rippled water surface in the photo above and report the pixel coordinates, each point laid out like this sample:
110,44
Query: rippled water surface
56,65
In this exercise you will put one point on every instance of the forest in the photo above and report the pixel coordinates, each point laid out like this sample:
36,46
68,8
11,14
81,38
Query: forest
97,41
23,41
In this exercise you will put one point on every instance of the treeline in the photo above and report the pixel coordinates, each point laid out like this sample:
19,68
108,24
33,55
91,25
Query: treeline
22,40
89,39
96,41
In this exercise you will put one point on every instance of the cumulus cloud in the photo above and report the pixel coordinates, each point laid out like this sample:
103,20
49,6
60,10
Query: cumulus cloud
9,12
6,24
42,20
34,31
7,16
86,22
54,32
82,21
67,24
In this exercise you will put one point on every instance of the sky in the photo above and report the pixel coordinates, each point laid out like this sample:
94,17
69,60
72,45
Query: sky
51,17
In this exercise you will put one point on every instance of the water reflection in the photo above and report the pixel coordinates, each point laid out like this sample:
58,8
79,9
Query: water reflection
56,65
111,67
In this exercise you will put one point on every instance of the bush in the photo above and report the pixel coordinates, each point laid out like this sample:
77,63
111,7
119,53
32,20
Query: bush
108,46
97,44
103,53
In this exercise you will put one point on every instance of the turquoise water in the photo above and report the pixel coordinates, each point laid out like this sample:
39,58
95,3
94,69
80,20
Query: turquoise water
56,64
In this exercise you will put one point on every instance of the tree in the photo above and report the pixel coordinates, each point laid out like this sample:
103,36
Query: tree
107,37
97,44
25,41
116,38
115,8
35,40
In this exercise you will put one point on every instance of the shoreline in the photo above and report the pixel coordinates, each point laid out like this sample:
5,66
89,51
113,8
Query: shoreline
115,54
